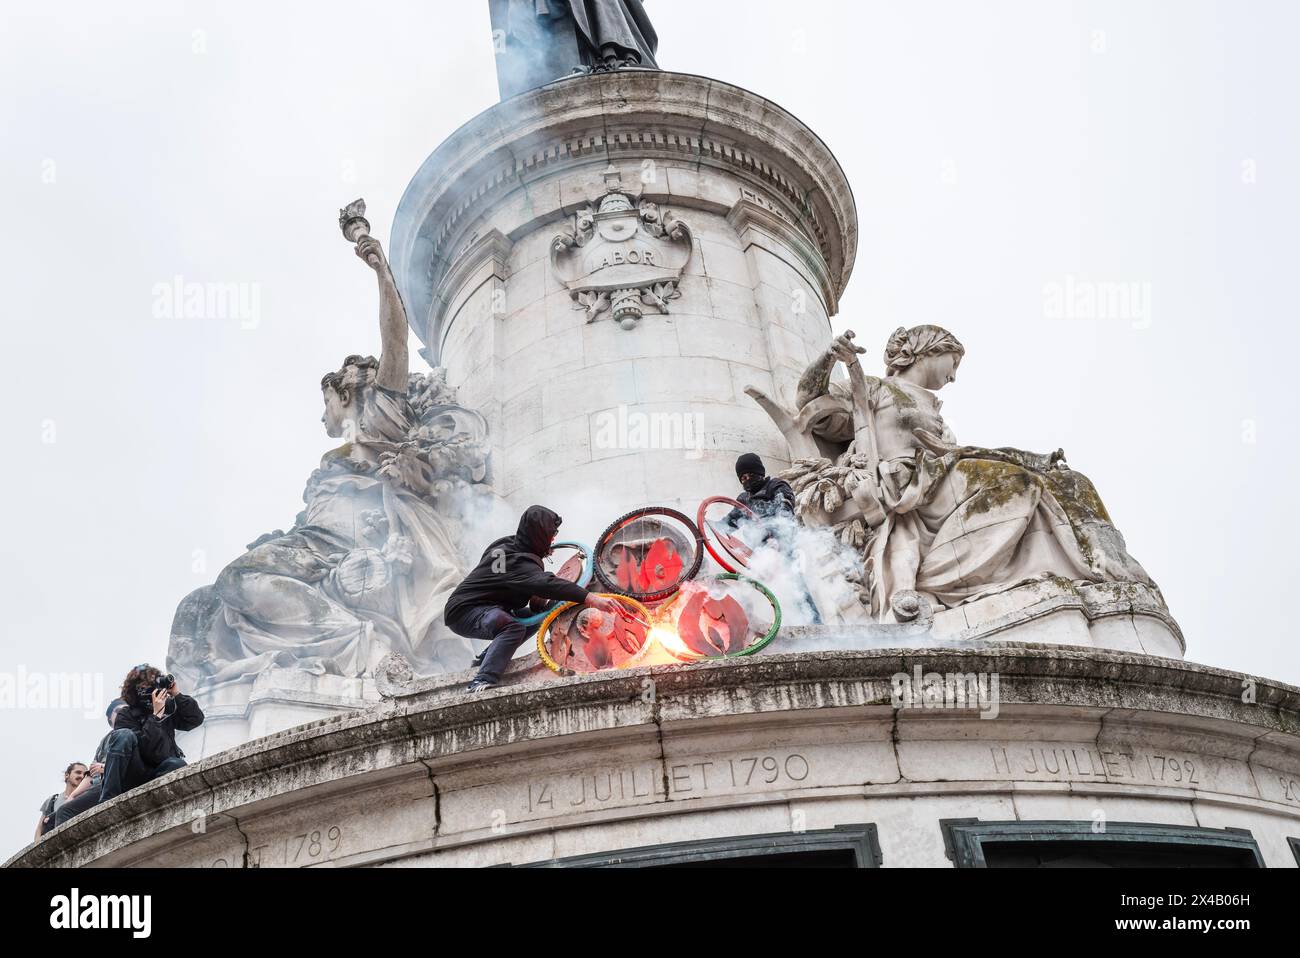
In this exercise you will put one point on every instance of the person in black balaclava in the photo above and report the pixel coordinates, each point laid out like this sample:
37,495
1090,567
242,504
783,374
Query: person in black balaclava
508,577
766,495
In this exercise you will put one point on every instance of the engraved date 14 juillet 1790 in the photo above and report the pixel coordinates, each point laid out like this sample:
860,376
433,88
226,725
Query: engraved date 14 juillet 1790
630,783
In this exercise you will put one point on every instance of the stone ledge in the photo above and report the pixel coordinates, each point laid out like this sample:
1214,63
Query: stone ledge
432,732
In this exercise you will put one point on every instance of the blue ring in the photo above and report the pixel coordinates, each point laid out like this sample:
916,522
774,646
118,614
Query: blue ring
588,570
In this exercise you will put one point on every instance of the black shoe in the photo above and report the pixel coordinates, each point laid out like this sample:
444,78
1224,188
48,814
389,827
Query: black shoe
480,686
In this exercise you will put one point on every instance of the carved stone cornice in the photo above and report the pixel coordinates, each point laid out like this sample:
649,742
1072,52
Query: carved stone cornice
432,727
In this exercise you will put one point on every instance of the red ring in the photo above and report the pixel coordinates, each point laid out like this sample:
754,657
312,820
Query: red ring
700,524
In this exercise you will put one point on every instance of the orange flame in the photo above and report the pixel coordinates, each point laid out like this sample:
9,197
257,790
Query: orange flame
663,646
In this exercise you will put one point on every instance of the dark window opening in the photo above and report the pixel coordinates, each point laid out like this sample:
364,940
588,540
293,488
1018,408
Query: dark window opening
829,858
971,843
1061,854
845,846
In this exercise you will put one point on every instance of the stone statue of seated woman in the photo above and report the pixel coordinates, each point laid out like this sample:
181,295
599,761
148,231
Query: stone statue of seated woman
935,519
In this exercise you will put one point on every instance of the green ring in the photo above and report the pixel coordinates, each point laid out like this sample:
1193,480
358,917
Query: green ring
771,633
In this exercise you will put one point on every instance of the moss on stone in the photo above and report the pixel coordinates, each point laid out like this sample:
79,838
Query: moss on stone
1077,495
900,397
996,483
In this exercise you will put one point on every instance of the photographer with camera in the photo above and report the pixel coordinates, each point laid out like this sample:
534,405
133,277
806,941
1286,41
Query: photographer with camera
142,745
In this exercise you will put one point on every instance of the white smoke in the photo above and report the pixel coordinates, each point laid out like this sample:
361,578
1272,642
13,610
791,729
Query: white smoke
484,517
812,574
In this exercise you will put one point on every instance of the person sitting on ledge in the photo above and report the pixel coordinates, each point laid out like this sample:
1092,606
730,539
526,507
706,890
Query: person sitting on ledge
86,795
73,776
142,745
507,578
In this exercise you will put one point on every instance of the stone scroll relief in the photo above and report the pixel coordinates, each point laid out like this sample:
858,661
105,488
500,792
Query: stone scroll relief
622,257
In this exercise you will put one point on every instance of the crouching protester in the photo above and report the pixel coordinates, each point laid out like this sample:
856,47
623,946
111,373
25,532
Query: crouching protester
510,576
86,795
142,745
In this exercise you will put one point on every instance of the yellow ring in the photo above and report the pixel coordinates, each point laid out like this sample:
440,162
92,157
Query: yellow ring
545,655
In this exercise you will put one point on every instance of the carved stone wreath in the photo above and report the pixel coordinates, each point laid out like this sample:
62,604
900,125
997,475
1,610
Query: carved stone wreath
621,257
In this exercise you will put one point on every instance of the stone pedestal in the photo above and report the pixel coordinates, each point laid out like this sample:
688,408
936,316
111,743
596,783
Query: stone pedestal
583,411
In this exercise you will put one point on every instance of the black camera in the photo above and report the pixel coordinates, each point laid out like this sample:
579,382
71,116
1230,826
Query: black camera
160,684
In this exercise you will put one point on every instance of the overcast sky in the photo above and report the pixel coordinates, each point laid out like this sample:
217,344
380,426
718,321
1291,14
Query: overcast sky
1001,153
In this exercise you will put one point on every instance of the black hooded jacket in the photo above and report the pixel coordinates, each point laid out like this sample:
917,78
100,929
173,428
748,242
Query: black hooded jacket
773,497
156,737
511,571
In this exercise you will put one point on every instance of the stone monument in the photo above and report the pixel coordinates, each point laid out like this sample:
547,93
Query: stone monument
631,247
1001,684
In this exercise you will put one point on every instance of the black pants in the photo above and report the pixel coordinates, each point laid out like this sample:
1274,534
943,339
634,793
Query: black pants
497,626
75,806
124,770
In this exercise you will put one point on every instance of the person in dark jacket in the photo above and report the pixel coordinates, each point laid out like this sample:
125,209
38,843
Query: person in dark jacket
768,498
87,795
510,575
142,745
766,495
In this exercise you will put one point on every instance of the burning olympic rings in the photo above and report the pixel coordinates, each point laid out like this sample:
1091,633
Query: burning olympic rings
649,556
561,645
544,632
763,641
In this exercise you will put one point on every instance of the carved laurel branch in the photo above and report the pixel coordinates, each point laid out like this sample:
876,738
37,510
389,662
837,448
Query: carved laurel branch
660,294
594,302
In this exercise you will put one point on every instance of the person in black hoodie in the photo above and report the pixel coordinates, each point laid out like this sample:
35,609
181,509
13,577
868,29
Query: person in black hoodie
508,577
142,745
